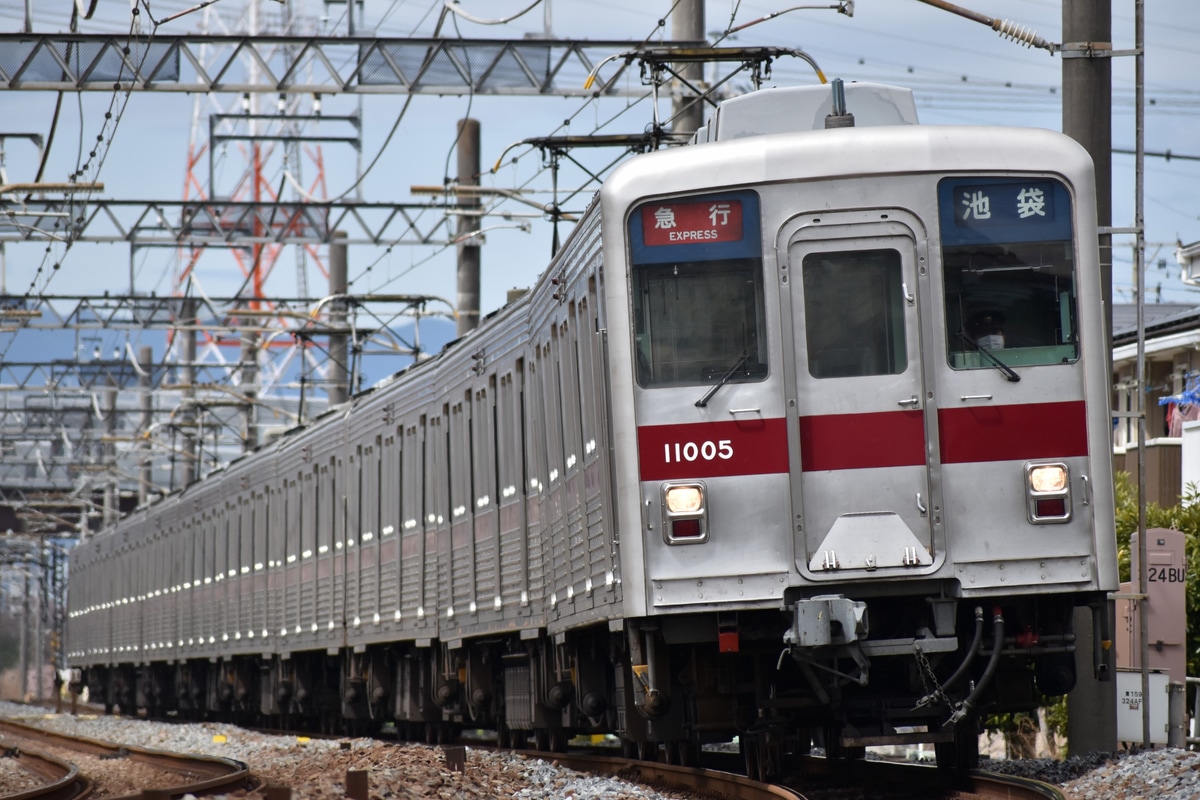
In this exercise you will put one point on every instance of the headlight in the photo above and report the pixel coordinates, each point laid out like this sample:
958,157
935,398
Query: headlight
1048,478
684,499
1048,492
685,515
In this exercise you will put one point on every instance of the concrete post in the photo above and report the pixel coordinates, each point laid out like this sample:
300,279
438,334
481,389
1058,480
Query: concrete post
146,398
1087,118
687,23
189,421
339,343
1177,714
468,249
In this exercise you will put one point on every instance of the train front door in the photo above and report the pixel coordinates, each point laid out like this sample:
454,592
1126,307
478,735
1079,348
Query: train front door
864,496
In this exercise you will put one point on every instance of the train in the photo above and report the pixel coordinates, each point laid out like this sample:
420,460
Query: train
801,439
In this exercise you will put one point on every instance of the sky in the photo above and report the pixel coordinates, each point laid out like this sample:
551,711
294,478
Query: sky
961,72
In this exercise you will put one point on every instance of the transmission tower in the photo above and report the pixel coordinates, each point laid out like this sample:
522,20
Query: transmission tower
257,149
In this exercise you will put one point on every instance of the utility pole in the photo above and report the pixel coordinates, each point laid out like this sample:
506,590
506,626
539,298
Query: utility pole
468,227
687,109
145,387
249,387
25,636
39,661
339,349
190,422
1087,109
109,457
1087,118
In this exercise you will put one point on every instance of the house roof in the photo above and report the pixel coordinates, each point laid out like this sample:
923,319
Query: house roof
1160,318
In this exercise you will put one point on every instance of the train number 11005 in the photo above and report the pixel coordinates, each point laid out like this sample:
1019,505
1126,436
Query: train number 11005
698,451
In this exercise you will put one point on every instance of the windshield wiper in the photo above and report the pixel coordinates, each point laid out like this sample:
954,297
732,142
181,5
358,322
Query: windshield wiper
996,362
703,401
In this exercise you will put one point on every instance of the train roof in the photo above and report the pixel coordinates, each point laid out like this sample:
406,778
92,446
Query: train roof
846,153
804,108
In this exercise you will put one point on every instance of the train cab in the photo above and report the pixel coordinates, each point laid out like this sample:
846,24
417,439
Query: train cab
868,391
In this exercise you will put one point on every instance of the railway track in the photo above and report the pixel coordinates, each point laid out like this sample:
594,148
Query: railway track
818,779
704,782
56,779
77,767
815,779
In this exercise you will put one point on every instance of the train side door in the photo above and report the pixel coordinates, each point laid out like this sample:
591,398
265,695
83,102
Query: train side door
861,482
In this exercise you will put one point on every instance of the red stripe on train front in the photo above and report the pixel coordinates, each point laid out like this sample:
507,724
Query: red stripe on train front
1013,433
712,449
862,441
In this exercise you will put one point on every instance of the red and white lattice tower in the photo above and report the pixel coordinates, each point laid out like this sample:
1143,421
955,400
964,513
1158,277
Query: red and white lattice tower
252,148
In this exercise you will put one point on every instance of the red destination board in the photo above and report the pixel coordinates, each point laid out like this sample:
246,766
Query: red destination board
692,223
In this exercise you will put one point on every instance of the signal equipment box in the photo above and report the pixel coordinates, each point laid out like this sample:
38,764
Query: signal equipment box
1167,606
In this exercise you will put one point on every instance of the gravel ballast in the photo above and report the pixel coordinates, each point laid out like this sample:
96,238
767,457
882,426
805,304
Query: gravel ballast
315,768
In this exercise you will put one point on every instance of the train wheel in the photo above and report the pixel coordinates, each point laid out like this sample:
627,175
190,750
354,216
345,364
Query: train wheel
541,739
503,737
558,740
647,751
629,749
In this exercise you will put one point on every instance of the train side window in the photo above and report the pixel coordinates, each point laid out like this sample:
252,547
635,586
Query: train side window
694,321
854,313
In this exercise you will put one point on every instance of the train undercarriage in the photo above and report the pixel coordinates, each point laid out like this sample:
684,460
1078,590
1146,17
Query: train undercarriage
664,686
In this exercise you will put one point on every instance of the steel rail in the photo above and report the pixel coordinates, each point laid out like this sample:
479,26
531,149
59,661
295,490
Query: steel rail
708,782
63,781
218,775
991,784
919,780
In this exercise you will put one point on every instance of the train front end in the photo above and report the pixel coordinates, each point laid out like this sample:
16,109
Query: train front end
862,434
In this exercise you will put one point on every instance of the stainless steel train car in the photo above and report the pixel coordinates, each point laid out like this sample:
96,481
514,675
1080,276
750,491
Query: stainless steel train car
802,437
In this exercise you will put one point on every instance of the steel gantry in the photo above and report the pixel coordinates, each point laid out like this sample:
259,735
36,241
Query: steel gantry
307,64
150,400
87,437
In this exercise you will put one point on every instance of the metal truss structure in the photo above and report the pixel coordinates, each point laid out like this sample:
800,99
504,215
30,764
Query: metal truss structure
76,433
306,64
33,590
160,390
222,223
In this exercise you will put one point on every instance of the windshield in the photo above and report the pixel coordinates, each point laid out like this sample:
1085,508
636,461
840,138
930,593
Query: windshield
697,290
695,320
1008,263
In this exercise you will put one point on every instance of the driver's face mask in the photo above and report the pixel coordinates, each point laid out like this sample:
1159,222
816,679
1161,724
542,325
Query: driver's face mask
991,341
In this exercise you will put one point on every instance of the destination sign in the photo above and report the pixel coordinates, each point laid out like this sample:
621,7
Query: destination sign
705,222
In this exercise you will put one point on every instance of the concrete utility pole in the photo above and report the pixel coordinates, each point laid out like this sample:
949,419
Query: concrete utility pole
249,387
39,660
1087,118
687,24
1087,108
339,343
190,421
468,224
25,638
145,388
109,457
